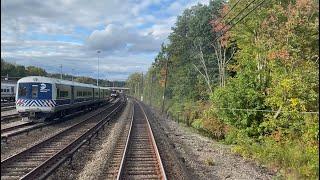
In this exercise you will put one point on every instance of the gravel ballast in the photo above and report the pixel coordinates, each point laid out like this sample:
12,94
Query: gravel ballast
20,142
203,157
90,160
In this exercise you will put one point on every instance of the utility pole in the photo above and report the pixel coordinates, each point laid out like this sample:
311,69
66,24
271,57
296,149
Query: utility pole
138,90
165,86
153,78
72,75
135,90
98,69
61,71
141,98
150,86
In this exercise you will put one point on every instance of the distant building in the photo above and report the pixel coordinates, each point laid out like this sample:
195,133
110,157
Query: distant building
9,80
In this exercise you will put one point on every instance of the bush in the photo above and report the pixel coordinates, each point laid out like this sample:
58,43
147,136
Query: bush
239,93
293,158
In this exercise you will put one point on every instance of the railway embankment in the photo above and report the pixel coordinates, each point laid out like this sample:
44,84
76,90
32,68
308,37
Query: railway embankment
203,157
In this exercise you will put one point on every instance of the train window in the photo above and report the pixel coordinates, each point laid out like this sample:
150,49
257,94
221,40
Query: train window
34,91
1,90
22,91
64,94
58,93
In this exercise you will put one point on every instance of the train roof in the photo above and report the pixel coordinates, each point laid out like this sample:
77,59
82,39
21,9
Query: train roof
105,88
42,79
8,84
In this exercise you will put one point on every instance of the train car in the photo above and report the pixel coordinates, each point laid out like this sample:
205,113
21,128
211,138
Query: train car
8,91
42,98
114,94
106,92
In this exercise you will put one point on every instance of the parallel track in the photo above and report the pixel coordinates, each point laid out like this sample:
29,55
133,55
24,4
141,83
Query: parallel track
15,127
7,108
136,154
39,161
19,129
9,117
28,126
7,104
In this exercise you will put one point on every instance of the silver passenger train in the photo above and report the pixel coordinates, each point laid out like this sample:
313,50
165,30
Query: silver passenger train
42,98
8,91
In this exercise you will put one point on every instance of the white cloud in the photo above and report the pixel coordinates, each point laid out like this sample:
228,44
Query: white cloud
115,37
50,33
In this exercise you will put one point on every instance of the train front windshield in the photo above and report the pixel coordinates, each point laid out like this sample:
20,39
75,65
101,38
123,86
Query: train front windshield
23,90
35,91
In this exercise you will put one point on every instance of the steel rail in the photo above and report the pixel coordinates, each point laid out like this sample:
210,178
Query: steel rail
7,104
20,129
46,168
13,128
46,155
126,146
9,117
7,108
154,144
15,131
154,169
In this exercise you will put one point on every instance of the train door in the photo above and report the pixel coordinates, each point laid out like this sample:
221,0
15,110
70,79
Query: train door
12,90
92,93
72,94
34,92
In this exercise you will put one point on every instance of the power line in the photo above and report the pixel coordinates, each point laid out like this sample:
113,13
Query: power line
238,14
229,10
265,110
241,18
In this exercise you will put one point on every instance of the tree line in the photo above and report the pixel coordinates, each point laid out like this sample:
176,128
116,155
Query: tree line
247,74
15,70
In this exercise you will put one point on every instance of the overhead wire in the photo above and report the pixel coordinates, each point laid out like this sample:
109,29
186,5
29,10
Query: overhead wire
266,110
255,7
222,18
247,6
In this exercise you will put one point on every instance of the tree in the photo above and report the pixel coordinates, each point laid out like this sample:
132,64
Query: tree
35,71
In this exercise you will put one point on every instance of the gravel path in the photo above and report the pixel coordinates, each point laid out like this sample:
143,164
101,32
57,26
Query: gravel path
205,158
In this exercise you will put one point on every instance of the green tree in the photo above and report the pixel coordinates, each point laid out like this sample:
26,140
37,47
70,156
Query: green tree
35,71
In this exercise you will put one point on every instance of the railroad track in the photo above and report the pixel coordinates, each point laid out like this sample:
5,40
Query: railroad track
14,127
26,127
20,128
7,104
7,108
136,154
9,117
40,160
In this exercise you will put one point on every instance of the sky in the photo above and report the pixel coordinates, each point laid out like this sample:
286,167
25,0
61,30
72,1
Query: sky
127,33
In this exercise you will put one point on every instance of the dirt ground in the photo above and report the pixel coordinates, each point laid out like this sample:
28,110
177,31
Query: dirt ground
203,157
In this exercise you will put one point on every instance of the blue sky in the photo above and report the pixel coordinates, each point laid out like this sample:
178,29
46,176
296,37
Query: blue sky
69,32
